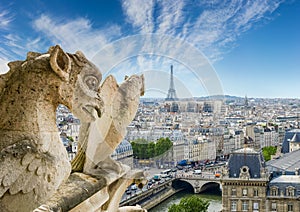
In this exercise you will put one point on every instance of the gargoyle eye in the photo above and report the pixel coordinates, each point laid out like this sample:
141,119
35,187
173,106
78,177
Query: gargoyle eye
92,82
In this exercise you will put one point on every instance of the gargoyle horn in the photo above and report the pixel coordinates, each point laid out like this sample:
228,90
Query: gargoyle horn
79,53
60,63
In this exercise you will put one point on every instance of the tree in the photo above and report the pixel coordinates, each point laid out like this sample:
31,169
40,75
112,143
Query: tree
268,151
143,149
151,150
162,145
139,148
192,203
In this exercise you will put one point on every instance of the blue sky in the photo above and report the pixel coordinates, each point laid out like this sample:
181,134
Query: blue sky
235,47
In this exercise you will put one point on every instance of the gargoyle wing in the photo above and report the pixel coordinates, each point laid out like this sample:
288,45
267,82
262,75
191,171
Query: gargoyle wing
125,104
24,169
120,106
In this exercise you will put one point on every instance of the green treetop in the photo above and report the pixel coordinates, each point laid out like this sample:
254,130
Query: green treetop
192,203
142,149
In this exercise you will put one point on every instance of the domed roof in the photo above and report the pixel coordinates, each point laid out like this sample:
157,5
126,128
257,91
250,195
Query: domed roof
124,146
125,143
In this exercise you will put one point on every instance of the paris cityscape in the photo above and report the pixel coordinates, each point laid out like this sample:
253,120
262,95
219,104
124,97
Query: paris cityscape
205,133
129,105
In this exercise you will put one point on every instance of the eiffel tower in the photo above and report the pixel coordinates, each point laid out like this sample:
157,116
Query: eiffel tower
172,92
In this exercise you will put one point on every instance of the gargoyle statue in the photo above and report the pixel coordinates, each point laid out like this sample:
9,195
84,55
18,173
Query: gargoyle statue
33,160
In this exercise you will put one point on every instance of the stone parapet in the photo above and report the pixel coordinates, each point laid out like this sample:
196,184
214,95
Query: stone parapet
78,188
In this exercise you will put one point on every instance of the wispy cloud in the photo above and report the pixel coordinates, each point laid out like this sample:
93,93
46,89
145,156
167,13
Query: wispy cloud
76,34
140,14
13,46
5,19
217,29
211,26
72,35
171,17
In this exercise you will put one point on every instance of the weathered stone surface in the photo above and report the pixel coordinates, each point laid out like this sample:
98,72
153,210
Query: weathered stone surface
83,193
136,208
33,160
78,188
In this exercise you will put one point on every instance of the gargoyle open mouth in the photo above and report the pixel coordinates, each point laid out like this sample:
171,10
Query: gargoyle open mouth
90,109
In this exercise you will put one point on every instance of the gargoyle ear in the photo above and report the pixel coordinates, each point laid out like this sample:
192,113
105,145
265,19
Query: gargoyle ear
60,63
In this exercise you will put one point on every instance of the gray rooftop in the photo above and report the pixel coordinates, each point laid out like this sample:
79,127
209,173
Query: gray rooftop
288,162
287,179
245,157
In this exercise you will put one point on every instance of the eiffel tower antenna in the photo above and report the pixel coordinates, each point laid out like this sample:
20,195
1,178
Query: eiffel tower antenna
172,92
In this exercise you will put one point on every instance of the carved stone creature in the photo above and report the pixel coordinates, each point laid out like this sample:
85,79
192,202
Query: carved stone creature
106,133
100,138
33,160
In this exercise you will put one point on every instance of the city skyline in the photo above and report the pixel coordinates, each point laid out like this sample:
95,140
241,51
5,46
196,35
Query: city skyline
216,47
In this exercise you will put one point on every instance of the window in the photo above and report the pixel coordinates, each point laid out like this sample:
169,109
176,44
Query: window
290,207
233,192
255,206
244,192
274,191
233,205
290,191
274,206
255,192
245,206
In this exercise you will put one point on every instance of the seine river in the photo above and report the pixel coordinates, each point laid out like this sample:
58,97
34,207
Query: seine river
215,200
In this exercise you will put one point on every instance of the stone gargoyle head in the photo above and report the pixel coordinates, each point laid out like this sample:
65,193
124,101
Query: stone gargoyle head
56,77
81,83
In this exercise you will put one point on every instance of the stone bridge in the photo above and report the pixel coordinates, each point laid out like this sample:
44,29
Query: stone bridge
199,183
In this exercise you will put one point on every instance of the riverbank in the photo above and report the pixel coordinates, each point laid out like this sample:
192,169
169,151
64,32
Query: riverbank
163,196
147,199
158,198
214,198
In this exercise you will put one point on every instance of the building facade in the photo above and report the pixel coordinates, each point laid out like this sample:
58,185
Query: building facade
283,193
248,185
244,182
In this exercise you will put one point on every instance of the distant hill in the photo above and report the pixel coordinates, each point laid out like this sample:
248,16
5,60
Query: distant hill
214,97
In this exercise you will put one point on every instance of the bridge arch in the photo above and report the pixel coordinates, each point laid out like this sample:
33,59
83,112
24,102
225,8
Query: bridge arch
209,186
179,184
198,185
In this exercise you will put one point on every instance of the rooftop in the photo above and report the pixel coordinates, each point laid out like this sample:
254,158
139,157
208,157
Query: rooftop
288,162
245,157
287,179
